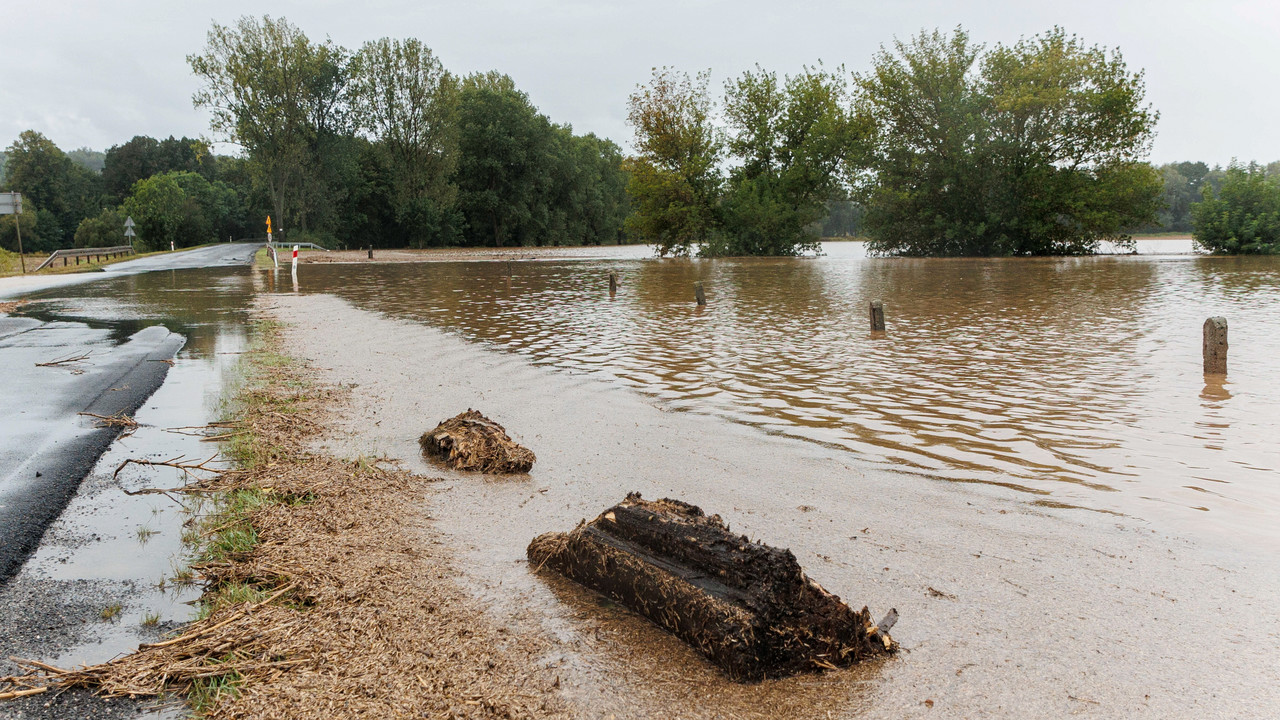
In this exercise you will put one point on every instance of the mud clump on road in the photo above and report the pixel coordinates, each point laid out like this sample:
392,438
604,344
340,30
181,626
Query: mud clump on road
326,592
746,606
471,441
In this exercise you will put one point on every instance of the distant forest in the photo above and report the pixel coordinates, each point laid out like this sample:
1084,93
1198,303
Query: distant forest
383,146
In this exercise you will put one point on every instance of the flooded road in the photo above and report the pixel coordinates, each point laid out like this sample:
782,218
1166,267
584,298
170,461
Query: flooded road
1076,381
1009,609
101,580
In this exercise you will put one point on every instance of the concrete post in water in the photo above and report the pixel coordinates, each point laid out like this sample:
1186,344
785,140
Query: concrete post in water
877,316
613,283
370,252
1215,346
698,293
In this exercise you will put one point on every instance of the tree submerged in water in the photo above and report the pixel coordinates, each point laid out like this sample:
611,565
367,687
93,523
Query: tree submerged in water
784,140
1243,217
1035,148
1031,149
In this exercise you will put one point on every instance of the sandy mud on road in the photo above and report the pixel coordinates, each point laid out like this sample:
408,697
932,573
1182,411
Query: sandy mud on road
1008,609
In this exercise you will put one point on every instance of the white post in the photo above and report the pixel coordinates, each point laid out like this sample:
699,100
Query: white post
295,260
171,248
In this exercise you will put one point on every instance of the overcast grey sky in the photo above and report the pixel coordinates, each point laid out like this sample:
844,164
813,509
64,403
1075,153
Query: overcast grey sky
98,73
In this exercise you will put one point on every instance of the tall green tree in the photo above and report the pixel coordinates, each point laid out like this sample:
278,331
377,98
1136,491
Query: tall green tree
789,141
408,104
158,207
1244,216
282,98
142,156
504,158
59,191
675,177
1035,148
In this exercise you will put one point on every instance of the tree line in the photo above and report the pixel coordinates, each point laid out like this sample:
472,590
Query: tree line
943,147
379,146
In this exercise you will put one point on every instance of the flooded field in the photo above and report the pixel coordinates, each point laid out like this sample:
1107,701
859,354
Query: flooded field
1075,381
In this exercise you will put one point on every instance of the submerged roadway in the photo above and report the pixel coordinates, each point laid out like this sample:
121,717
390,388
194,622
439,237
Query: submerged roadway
46,446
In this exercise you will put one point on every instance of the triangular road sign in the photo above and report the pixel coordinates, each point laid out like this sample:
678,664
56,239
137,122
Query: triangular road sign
128,222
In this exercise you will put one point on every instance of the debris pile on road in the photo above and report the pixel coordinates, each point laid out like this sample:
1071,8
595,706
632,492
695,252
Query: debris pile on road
471,441
745,605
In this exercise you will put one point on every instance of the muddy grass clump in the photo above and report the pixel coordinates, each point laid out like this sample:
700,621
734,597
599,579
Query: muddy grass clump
471,441
746,606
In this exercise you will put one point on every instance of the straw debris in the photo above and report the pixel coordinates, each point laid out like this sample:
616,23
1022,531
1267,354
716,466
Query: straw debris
326,594
471,441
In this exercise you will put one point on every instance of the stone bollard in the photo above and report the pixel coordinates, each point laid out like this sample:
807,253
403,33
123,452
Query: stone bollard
1215,346
698,293
877,316
613,283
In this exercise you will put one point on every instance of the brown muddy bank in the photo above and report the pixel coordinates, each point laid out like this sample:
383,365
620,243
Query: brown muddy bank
1008,609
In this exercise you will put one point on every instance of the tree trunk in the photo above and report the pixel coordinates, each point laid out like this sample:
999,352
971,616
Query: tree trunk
747,606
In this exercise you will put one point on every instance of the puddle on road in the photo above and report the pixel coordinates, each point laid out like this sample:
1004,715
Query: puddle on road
109,548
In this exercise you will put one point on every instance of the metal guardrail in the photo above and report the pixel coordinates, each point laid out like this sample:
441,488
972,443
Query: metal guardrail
77,253
313,246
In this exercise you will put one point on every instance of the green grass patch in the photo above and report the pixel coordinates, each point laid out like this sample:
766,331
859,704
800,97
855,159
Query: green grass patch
206,692
227,595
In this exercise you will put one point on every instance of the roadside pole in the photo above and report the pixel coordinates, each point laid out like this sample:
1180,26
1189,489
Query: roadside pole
295,260
271,246
17,227
129,234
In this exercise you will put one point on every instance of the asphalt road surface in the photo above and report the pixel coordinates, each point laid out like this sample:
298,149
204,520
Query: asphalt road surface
46,446
222,255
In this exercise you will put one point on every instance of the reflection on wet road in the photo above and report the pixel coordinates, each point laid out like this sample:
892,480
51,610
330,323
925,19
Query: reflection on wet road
1069,378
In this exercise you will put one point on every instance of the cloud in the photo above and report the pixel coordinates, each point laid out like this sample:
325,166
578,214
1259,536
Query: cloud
96,74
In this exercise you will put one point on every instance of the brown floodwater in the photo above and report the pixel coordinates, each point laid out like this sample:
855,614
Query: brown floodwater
1009,609
1076,381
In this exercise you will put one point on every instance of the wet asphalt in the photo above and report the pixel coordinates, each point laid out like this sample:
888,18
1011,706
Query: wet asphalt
46,446
57,573
228,254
